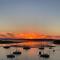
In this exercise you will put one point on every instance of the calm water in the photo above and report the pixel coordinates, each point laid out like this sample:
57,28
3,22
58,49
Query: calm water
31,54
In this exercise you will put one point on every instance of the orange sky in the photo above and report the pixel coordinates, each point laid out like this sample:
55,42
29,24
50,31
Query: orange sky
22,35
31,35
28,35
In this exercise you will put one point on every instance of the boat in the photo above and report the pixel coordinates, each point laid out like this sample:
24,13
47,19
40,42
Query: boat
44,55
6,47
42,48
10,56
17,52
26,48
40,53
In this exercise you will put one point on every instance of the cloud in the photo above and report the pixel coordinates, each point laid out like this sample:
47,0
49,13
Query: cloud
10,34
2,35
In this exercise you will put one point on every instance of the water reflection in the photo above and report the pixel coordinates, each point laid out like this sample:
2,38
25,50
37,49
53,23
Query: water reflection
31,54
30,44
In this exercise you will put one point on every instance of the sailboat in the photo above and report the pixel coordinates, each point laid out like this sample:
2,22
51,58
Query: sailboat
10,55
44,55
42,46
16,52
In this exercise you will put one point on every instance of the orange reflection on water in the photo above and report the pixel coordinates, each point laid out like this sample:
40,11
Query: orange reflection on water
30,44
33,44
33,51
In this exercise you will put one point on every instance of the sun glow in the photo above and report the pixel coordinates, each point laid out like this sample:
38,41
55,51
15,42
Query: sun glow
31,35
23,35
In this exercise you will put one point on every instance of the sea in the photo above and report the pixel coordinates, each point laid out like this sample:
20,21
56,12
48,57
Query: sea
29,54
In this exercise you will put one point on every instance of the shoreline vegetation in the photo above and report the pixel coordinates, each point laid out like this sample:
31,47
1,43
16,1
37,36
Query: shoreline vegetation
10,40
7,42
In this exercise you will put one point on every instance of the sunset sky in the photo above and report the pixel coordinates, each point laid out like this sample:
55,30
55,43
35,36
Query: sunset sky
30,16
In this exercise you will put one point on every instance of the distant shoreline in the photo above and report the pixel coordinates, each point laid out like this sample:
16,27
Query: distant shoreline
9,40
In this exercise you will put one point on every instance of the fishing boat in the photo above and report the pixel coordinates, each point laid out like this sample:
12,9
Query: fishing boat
6,47
17,52
26,48
45,55
10,56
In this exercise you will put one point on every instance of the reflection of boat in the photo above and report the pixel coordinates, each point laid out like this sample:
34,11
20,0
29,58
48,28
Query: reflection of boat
50,47
10,56
53,50
16,52
26,48
44,55
6,47
42,45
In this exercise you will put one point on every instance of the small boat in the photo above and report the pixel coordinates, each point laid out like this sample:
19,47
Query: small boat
40,53
11,56
17,52
44,55
26,48
42,48
6,47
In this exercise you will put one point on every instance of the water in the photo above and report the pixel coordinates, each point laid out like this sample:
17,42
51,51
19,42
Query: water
31,54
